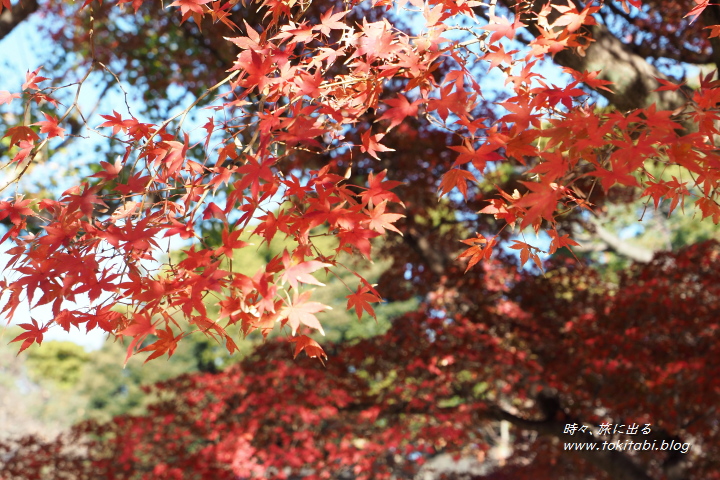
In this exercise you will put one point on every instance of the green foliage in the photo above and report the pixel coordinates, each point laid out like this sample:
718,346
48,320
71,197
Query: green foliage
60,363
110,390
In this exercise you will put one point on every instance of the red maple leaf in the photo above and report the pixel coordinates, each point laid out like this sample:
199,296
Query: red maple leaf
401,108
34,334
20,133
479,157
141,327
32,79
109,171
560,241
378,190
668,85
527,252
620,173
166,343
542,201
230,242
372,145
361,300
573,19
15,211
358,238
116,122
330,21
50,126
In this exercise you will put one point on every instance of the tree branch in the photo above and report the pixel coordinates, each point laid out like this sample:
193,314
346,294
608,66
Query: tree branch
617,464
633,77
616,244
435,258
11,18
711,16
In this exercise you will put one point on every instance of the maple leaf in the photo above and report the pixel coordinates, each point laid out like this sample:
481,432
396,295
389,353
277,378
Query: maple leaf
66,319
497,55
620,173
372,144
32,79
378,190
499,210
110,171
311,348
20,133
668,85
255,170
141,327
50,126
709,208
7,97
714,32
300,272
456,177
187,6
697,10
559,241
401,108
84,200
590,79
16,210
479,157
358,238
527,252
330,21
166,343
302,311
116,122
542,201
573,19
361,300
34,334
456,102
501,27
379,220
230,242
480,248
521,115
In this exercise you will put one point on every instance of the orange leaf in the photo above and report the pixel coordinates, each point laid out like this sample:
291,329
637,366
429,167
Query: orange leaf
311,347
456,177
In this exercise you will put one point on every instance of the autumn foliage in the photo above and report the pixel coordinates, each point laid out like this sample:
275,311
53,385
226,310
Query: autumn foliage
295,88
379,412
339,121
